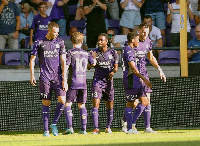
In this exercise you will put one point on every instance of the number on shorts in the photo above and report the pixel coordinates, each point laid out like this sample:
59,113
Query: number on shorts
94,94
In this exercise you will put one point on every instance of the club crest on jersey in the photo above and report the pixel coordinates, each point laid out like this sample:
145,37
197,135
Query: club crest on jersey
110,56
57,45
147,46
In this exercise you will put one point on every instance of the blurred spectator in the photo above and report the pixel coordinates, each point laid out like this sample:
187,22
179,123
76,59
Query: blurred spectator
173,15
155,8
80,15
112,9
197,13
154,34
111,34
26,19
194,55
94,10
68,41
9,25
40,23
131,17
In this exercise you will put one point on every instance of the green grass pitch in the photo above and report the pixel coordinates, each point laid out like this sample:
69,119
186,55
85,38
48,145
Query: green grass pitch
162,138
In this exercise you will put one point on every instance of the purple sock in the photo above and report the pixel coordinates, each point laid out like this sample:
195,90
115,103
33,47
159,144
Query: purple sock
83,114
138,111
95,116
129,117
109,117
124,117
147,116
68,116
58,112
45,117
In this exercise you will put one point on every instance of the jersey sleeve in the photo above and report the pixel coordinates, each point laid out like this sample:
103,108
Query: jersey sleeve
90,58
130,56
35,48
62,47
116,57
68,57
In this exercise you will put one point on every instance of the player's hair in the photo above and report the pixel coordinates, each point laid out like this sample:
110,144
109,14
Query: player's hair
77,37
52,24
147,17
143,25
131,35
28,7
107,37
42,3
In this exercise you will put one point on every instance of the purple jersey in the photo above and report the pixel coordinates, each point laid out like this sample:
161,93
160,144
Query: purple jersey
130,80
105,64
40,25
57,11
49,52
141,55
78,59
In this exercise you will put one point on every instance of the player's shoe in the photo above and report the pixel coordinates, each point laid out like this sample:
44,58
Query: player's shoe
82,132
132,131
54,130
124,125
68,131
149,130
96,131
108,130
46,134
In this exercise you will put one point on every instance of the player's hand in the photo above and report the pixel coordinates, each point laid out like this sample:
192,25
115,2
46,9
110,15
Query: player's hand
162,75
111,75
188,3
49,4
148,83
4,2
94,54
64,85
60,3
33,81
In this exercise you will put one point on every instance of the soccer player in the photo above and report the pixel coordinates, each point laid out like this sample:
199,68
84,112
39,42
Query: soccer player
134,90
106,66
144,51
52,58
77,61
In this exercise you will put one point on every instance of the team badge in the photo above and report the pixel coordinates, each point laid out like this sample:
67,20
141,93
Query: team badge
57,45
110,56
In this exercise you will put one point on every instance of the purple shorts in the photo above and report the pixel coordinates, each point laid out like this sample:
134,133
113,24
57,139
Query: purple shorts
76,95
106,94
134,93
147,89
46,88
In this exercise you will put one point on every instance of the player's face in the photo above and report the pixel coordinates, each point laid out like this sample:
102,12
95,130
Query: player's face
136,41
197,31
54,33
144,33
102,41
43,9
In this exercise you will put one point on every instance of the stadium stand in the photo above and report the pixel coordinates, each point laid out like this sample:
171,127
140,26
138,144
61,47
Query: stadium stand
14,58
80,24
114,24
169,56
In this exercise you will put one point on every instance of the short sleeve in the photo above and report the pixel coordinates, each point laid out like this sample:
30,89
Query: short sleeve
36,46
62,47
90,58
68,57
116,57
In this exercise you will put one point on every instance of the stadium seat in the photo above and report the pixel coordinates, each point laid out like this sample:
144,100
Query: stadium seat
64,37
193,25
14,58
79,24
27,42
169,56
114,24
72,9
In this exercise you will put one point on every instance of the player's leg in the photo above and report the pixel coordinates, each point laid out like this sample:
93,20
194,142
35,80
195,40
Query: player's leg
45,96
96,96
81,100
70,97
109,107
147,117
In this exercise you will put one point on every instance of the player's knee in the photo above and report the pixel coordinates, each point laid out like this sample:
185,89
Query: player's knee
68,104
46,102
62,99
130,104
81,105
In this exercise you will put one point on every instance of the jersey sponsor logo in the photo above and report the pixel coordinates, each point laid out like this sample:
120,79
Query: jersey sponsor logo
43,27
51,53
104,64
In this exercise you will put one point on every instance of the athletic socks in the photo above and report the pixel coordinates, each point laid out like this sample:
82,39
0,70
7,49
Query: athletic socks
95,116
109,117
83,114
138,111
147,116
58,112
45,117
129,117
68,116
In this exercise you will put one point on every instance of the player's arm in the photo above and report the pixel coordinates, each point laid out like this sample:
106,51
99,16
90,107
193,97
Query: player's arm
64,71
32,64
154,62
3,4
113,71
137,73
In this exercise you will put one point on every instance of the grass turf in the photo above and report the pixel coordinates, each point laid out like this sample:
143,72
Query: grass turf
162,138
